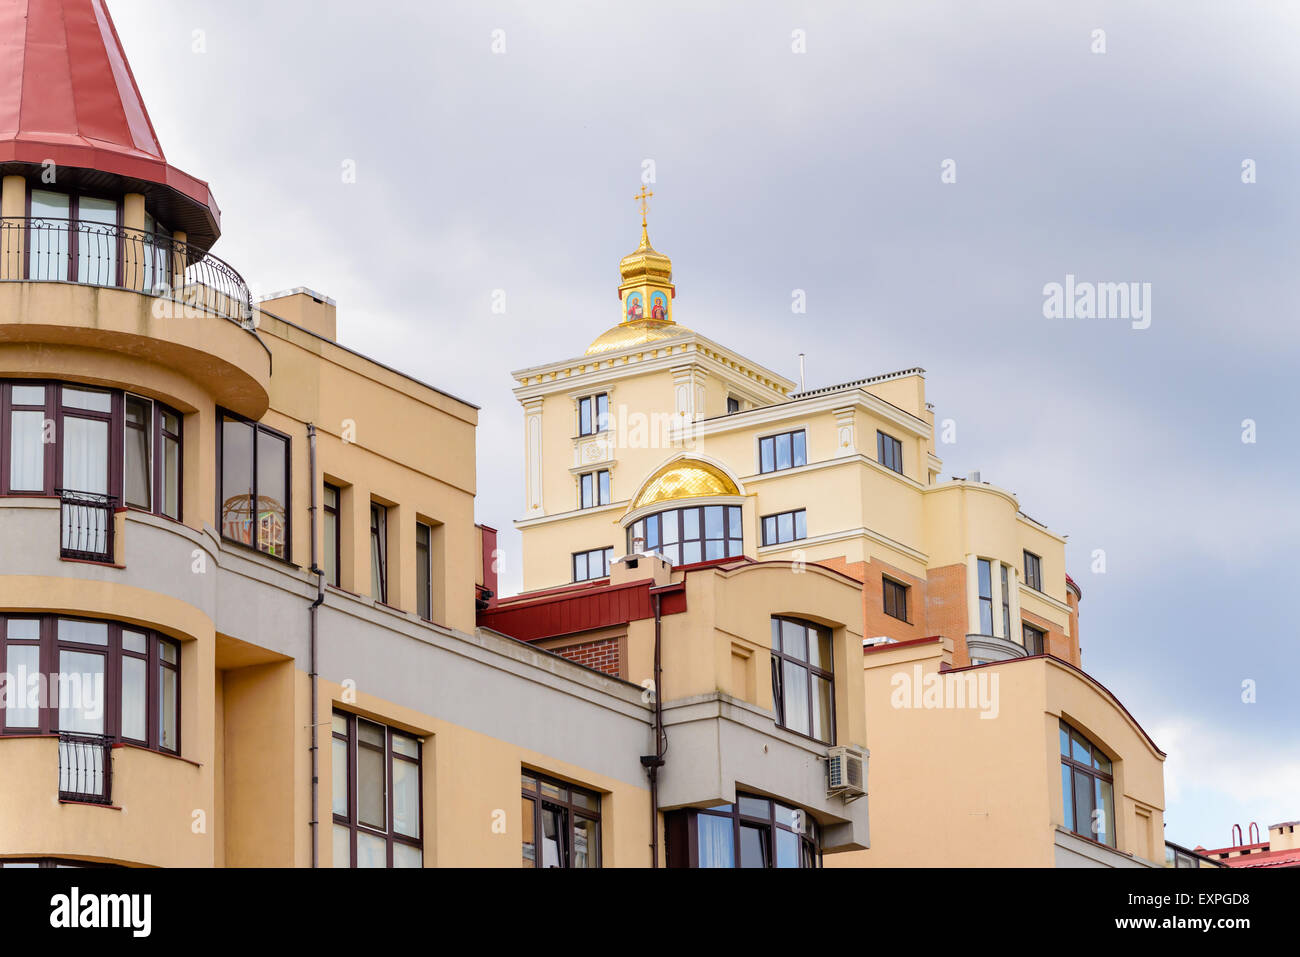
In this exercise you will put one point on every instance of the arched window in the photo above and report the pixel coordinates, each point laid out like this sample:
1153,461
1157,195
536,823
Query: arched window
1087,788
688,535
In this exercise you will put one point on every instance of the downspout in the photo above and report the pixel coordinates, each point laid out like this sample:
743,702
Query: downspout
312,614
654,762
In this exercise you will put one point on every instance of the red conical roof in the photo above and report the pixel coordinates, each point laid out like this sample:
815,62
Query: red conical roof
67,95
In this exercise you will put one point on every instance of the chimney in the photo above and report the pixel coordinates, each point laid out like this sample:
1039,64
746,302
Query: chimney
305,308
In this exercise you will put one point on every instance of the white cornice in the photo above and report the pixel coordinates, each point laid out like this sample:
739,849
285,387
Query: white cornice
814,405
847,534
573,513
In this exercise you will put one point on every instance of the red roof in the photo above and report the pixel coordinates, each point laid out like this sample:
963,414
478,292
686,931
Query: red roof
1285,858
67,94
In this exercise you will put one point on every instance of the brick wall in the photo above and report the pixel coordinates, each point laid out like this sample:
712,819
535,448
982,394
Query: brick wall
602,655
945,609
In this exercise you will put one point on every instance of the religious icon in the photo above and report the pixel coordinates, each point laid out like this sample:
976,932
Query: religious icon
658,306
634,309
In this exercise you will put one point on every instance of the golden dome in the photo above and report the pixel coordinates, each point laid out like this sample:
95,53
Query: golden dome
685,478
645,262
636,333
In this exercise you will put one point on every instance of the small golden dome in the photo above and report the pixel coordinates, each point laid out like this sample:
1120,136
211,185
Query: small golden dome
646,262
636,333
685,478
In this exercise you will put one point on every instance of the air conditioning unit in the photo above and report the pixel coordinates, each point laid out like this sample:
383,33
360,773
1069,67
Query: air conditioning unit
846,773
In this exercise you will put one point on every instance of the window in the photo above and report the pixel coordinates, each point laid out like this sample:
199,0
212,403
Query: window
785,451
753,832
1033,571
594,488
889,452
685,536
593,414
895,599
785,527
1006,603
333,496
424,571
73,238
733,405
1087,788
1035,640
377,792
803,687
985,575
253,467
561,823
101,678
378,552
588,566
151,467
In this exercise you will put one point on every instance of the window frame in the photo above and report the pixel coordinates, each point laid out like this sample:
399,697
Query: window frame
597,421
424,568
900,592
797,516
809,837
333,528
766,441
606,556
571,810
1093,772
352,820
74,220
49,648
379,550
984,602
158,437
256,428
779,657
733,533
1040,640
889,451
601,492
1033,570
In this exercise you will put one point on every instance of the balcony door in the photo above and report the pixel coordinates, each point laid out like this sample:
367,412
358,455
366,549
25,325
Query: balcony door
86,418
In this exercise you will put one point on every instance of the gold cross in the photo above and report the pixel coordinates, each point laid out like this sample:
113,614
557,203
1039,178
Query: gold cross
643,196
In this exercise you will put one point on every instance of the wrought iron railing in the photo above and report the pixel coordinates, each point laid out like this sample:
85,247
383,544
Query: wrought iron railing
85,767
186,279
86,525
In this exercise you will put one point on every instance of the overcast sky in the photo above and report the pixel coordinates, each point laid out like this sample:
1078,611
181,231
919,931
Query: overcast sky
775,170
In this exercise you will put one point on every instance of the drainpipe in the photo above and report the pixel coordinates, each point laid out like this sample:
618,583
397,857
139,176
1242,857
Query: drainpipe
312,614
653,762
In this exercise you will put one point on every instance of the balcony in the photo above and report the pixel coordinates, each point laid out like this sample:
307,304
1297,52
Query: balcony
137,297
86,526
85,768
183,276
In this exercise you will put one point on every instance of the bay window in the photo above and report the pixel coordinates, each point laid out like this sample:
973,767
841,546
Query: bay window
377,792
89,677
685,536
753,832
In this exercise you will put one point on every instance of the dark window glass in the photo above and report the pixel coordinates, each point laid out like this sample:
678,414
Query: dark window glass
1033,571
331,507
895,599
561,823
254,486
1035,640
784,527
423,571
685,536
593,414
1087,788
784,451
169,468
378,552
376,798
1006,603
733,405
889,452
593,564
985,596
753,832
593,489
803,688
